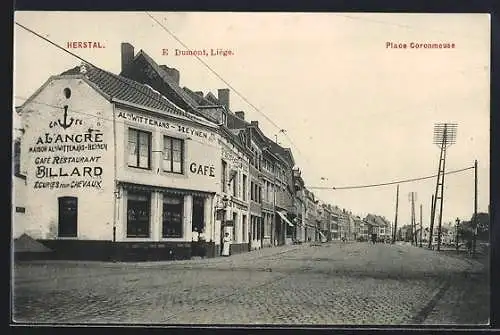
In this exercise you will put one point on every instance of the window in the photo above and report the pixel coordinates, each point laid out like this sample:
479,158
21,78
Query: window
244,188
267,227
252,191
223,118
268,190
68,217
17,157
236,226
172,216
173,154
223,177
138,214
244,228
235,184
139,148
289,230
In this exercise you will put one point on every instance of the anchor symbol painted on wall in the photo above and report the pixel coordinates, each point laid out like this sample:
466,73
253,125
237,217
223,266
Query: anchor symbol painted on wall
64,123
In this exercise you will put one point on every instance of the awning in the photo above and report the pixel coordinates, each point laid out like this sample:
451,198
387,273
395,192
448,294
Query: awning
174,191
284,218
321,233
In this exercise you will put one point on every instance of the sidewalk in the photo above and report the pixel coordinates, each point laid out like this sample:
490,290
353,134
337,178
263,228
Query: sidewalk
241,257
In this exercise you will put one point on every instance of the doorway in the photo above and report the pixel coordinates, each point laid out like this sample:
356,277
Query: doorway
198,214
68,217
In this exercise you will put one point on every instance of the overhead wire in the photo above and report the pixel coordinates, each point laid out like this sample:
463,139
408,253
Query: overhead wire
308,187
154,97
119,78
99,117
236,91
388,183
226,82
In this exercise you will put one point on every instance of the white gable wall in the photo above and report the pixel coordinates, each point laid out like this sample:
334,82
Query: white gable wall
47,152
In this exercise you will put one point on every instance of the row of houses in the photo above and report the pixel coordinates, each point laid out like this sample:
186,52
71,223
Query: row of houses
134,166
448,234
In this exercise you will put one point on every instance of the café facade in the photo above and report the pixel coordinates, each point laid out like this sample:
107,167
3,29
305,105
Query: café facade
114,170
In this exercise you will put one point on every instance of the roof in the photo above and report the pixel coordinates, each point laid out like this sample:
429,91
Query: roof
371,219
282,152
127,90
234,122
235,137
184,97
199,99
190,103
377,220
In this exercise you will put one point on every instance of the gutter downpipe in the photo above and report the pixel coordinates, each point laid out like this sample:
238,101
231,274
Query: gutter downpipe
115,190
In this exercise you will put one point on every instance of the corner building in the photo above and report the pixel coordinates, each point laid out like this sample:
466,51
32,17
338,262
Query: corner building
114,170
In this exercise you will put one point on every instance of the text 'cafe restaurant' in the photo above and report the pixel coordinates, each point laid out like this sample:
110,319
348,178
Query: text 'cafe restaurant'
116,171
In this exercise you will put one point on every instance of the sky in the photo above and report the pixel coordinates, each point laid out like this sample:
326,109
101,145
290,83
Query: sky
355,111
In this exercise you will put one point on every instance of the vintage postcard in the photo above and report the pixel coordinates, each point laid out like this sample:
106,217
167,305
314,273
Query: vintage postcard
251,169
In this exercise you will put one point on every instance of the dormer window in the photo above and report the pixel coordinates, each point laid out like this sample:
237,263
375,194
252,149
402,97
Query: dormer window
223,119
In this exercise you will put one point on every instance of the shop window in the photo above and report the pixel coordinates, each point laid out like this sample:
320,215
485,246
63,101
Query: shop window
172,216
138,215
68,217
139,148
173,154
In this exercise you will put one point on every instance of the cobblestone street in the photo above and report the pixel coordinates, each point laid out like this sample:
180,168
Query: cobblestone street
352,283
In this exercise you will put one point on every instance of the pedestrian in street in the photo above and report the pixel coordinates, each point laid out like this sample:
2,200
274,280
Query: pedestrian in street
226,245
469,247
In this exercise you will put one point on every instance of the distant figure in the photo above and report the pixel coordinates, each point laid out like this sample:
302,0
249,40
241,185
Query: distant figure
469,247
226,245
374,238
196,235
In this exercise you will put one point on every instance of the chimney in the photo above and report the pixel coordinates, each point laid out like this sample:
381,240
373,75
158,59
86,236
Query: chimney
173,73
223,96
127,55
200,93
240,115
254,123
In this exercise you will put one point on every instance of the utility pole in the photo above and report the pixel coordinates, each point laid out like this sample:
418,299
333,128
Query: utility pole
396,218
456,233
432,223
414,220
444,136
421,226
412,197
475,210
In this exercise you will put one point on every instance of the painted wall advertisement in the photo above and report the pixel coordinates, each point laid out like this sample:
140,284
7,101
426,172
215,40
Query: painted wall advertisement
233,159
68,155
